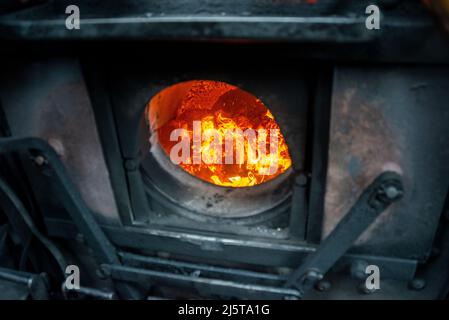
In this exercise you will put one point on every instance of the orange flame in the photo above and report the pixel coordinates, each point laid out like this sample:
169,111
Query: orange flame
226,109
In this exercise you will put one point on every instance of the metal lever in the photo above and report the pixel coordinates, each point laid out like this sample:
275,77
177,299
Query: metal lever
383,191
35,284
74,204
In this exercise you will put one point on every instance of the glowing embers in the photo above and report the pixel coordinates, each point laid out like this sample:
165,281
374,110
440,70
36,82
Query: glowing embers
219,133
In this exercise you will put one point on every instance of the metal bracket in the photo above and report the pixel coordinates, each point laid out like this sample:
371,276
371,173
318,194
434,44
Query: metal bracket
204,285
71,199
68,194
386,189
382,192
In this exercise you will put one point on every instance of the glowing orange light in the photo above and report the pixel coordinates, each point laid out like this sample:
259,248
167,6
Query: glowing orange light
226,109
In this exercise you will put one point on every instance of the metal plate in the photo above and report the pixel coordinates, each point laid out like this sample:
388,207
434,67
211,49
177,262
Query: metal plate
397,119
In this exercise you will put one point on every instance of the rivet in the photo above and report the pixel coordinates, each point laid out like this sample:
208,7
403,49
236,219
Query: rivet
323,286
417,284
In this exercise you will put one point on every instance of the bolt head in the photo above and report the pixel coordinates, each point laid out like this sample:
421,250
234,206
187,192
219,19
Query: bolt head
314,275
358,268
392,192
323,286
417,284
39,160
363,289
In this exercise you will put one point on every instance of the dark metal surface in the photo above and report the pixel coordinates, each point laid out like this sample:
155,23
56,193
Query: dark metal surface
386,189
318,147
105,123
390,118
35,284
405,27
208,287
13,291
382,118
203,270
71,199
213,249
67,194
15,210
181,19
204,285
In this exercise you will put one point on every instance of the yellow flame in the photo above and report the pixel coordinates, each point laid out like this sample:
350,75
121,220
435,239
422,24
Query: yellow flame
230,111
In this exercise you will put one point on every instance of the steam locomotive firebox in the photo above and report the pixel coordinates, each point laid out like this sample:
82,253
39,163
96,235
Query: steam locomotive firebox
247,151
239,129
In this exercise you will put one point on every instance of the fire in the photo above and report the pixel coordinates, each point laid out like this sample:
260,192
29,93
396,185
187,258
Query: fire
227,111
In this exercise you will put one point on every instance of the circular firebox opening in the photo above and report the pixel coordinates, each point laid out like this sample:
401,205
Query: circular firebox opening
216,150
219,133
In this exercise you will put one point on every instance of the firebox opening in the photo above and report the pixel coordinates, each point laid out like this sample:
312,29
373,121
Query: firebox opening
218,133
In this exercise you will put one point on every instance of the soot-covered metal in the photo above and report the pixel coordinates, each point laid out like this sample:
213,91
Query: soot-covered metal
84,178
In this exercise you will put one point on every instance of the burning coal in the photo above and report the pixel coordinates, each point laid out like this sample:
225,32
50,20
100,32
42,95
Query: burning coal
223,135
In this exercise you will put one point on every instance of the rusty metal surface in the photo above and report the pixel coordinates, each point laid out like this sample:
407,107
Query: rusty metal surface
390,119
52,103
